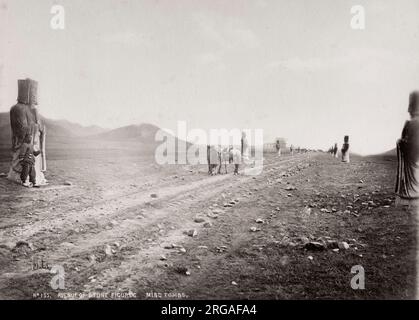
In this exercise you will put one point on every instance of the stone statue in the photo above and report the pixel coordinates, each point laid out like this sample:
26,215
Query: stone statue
407,182
407,186
335,150
25,120
345,149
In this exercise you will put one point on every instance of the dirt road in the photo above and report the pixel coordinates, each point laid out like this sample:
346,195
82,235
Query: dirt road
130,228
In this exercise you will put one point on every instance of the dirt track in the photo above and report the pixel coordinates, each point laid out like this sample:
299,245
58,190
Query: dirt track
111,235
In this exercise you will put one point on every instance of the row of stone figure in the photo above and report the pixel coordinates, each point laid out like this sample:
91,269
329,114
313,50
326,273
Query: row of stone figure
344,151
407,182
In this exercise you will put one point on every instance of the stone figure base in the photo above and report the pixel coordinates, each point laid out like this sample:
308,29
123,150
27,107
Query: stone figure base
16,169
345,157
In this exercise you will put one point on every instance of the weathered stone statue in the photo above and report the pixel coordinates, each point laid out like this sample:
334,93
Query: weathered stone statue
407,185
335,150
25,120
345,149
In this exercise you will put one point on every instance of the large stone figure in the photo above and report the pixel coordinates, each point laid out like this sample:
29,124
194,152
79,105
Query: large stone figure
345,149
335,150
25,119
407,185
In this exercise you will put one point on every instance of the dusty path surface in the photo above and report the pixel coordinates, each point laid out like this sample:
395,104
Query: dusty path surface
130,228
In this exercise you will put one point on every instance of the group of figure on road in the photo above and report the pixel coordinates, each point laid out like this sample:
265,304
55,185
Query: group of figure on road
220,157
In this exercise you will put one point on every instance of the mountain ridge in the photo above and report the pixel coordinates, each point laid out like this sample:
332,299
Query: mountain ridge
67,131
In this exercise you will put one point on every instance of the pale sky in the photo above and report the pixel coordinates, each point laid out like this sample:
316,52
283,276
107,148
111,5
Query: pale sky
293,68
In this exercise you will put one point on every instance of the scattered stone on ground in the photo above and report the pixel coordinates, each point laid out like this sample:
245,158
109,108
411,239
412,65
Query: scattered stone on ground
315,246
199,219
343,245
192,233
109,251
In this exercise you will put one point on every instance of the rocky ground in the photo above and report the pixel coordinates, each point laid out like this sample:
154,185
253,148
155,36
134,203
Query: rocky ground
123,227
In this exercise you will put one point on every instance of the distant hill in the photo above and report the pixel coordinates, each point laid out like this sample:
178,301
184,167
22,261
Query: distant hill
143,133
390,155
73,129
392,152
142,136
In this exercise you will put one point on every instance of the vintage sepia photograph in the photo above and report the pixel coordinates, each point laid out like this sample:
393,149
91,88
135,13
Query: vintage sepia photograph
209,150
